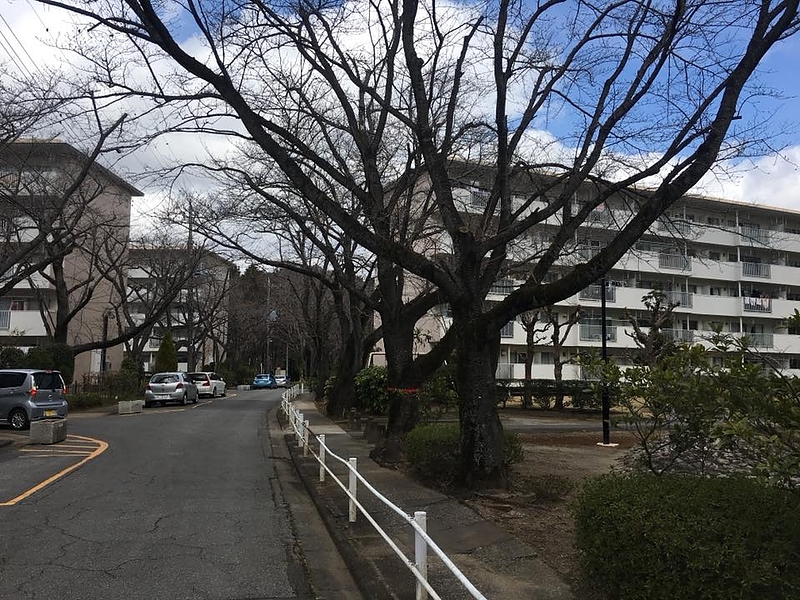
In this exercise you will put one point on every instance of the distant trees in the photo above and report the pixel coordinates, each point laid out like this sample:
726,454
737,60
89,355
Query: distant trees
166,357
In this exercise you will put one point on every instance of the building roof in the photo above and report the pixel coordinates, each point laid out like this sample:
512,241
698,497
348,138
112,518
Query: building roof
49,152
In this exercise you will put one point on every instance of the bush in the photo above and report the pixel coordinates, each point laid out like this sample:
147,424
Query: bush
86,400
437,395
11,357
433,451
668,537
371,394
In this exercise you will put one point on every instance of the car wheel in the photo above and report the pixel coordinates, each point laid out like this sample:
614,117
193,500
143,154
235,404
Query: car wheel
224,392
214,392
196,396
19,419
183,400
147,404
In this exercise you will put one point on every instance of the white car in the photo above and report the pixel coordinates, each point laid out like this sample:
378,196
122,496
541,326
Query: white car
208,383
282,381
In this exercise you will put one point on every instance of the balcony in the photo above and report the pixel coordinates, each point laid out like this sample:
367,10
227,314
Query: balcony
682,227
678,262
760,340
504,371
593,333
679,335
684,299
750,269
755,234
593,293
757,305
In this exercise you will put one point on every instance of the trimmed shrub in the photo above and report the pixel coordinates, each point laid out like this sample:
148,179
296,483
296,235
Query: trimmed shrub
434,453
668,537
86,400
11,357
371,394
437,395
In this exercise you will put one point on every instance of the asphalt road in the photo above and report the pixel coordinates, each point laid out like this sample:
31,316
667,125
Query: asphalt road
183,503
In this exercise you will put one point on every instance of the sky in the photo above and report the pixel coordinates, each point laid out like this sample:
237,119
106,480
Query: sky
26,28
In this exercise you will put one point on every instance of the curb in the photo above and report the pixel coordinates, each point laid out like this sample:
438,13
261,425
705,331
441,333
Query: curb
365,573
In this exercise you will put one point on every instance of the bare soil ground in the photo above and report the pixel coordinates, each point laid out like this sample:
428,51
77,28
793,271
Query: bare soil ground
537,509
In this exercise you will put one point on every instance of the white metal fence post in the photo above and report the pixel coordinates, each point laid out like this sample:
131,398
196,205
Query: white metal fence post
299,430
353,487
321,457
421,553
305,438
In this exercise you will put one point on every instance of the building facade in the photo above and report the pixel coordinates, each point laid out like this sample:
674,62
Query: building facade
729,266
63,233
197,315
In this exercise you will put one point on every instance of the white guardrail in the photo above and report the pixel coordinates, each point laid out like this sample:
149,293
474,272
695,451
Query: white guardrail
422,541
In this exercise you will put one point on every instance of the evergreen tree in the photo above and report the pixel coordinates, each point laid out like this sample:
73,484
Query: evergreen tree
166,357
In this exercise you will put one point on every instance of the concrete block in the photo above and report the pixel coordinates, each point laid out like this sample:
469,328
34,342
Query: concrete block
242,387
127,407
48,431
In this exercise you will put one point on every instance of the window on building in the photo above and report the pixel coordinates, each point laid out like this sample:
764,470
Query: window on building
502,286
508,330
546,358
18,305
794,362
714,255
713,221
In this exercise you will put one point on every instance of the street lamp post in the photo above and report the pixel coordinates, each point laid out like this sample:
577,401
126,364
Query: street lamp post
604,354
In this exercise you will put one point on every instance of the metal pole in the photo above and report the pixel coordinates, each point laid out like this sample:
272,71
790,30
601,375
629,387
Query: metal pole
321,437
105,338
421,554
352,487
604,354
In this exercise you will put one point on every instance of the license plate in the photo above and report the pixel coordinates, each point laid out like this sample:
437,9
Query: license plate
50,413
162,397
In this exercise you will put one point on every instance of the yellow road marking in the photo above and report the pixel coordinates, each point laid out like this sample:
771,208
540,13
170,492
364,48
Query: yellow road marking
56,451
199,404
101,447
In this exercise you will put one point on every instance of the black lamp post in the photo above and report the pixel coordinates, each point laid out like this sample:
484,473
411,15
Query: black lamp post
606,404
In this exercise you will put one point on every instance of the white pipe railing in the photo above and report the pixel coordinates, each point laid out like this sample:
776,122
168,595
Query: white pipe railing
418,522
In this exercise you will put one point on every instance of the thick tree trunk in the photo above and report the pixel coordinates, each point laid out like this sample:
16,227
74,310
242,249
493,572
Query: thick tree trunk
527,396
559,378
398,340
482,444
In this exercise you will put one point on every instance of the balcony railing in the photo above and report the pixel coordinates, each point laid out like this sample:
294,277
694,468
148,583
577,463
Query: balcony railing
594,333
750,269
504,371
762,236
679,335
5,320
682,227
760,340
680,262
508,330
762,305
593,293
682,298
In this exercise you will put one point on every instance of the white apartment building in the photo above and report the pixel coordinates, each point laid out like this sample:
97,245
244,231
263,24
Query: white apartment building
197,318
728,264
41,190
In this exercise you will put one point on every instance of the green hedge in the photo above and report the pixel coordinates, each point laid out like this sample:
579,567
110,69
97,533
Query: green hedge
371,394
669,537
433,451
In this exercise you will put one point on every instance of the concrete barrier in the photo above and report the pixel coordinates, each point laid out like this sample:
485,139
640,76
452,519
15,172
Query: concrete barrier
127,407
243,387
48,431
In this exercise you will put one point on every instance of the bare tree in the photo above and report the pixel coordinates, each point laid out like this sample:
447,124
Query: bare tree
648,91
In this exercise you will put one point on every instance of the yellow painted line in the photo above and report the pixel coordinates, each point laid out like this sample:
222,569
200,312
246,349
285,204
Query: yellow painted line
199,404
101,447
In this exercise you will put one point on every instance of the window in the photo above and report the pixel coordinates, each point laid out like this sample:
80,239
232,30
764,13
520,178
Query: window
508,330
502,286
19,305
714,221
794,362
714,255
546,358
11,380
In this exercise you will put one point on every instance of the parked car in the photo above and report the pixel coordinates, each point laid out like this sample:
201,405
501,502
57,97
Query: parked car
282,381
264,380
208,383
30,395
170,387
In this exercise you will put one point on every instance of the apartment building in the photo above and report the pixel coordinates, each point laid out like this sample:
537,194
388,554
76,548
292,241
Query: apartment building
728,265
64,227
197,316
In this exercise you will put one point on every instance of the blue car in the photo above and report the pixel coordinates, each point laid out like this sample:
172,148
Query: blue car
264,380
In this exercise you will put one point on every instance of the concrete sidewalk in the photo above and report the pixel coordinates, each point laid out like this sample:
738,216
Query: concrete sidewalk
498,564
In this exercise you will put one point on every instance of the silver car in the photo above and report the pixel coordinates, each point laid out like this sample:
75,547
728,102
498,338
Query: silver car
170,387
30,395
